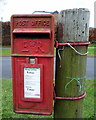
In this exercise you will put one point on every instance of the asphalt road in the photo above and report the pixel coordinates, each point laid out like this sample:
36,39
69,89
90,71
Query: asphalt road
6,67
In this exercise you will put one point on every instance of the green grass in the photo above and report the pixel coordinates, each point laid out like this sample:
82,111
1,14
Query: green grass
89,99
92,45
7,105
5,52
91,52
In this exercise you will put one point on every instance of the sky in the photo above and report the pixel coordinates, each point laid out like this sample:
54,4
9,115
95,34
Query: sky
9,7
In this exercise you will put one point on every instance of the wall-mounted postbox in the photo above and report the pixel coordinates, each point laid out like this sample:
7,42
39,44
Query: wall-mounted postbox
32,40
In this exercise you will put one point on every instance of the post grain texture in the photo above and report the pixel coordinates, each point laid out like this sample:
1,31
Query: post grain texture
73,26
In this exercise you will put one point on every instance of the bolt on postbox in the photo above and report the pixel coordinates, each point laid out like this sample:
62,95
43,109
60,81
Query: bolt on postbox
32,42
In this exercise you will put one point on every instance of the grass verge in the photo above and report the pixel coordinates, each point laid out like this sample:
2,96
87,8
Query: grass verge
92,45
89,111
7,105
5,52
91,52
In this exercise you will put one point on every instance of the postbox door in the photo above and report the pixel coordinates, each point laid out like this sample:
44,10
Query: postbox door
33,85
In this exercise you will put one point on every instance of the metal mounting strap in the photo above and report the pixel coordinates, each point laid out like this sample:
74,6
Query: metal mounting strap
67,98
71,98
71,43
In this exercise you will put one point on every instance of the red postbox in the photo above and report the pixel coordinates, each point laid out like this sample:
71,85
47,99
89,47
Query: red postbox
32,40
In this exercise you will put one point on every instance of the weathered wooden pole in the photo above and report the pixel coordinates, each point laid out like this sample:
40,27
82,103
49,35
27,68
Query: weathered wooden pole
71,54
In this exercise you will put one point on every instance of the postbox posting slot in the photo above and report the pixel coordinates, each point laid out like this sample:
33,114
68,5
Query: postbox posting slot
32,33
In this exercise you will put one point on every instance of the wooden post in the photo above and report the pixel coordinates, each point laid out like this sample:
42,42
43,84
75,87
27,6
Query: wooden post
73,26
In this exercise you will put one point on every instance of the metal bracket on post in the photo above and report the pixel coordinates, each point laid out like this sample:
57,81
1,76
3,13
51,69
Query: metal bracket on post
71,43
68,98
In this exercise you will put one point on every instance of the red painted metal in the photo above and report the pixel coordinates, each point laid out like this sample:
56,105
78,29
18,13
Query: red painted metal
71,43
32,27
70,98
32,37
